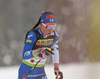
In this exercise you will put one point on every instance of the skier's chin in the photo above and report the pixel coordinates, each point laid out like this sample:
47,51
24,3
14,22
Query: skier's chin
48,34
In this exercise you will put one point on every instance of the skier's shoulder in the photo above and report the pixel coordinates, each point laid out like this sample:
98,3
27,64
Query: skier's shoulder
37,31
56,37
31,37
31,34
56,33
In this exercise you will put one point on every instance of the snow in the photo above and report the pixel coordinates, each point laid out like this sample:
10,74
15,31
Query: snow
70,71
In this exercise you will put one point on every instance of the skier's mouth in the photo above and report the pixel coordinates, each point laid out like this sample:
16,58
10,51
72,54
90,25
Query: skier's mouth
49,33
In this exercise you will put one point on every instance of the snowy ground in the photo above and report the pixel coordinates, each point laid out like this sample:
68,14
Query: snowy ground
70,71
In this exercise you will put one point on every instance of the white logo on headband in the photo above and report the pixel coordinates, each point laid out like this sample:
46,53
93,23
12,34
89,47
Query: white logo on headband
41,20
51,20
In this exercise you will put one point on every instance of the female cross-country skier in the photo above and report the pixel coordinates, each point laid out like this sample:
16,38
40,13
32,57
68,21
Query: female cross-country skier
40,41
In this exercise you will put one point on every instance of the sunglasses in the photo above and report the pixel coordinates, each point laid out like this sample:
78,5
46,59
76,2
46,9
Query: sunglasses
49,26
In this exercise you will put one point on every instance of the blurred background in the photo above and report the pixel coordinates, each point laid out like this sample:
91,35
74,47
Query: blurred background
78,26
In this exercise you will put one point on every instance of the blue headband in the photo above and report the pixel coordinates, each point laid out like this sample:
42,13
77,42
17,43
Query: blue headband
47,18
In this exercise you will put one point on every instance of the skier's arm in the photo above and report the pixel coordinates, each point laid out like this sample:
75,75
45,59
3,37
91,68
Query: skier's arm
56,65
30,40
55,57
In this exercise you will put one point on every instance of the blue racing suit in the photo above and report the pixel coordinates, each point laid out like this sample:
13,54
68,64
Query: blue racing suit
35,39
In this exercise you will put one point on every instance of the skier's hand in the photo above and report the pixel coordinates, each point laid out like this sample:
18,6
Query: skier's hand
58,73
45,50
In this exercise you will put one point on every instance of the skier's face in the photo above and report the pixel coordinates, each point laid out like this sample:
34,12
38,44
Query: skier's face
47,28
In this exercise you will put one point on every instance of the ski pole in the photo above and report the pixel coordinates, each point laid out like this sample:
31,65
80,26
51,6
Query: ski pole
24,76
56,77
